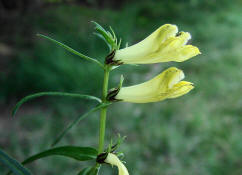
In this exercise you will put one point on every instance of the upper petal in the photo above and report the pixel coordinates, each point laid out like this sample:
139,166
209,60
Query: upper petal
173,49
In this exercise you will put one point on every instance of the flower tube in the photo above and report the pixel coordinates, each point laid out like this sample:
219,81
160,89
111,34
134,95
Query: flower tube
114,160
163,45
166,85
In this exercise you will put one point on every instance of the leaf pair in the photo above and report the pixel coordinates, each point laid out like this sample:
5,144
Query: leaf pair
74,152
76,121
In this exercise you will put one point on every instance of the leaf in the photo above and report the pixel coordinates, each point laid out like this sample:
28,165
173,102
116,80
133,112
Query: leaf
30,97
72,50
74,152
77,120
13,164
106,35
94,171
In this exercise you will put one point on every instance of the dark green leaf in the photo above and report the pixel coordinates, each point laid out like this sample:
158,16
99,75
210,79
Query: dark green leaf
72,50
74,152
13,164
30,97
76,121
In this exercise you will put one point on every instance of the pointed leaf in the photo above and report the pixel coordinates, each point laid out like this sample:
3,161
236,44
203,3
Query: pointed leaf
106,35
30,97
77,120
72,50
74,152
13,164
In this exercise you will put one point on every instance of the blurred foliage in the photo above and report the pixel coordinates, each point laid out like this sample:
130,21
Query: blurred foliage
199,133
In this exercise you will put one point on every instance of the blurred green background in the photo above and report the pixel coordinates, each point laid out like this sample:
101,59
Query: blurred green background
200,133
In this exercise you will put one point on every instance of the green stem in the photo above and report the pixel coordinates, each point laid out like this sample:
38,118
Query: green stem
103,110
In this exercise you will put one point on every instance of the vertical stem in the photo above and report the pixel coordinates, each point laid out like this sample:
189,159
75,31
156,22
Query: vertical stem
103,110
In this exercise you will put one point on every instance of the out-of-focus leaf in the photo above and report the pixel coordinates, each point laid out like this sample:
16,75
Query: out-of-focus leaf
13,164
94,171
72,50
85,171
89,171
74,152
77,120
32,96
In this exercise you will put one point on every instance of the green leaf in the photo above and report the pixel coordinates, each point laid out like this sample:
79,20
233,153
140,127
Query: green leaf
94,171
13,164
77,120
74,152
30,97
72,50
110,39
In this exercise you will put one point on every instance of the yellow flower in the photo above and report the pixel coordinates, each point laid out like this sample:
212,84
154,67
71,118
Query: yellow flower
163,45
114,160
166,85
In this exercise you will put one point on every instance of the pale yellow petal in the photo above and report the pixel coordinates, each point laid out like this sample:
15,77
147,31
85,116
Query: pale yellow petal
114,160
161,46
146,46
175,77
180,89
173,49
159,88
183,38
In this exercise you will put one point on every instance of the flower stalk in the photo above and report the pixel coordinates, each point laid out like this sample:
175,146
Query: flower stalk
103,113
